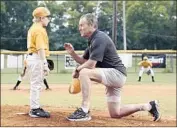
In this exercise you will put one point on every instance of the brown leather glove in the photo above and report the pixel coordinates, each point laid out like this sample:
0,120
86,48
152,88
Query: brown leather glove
148,72
75,86
50,64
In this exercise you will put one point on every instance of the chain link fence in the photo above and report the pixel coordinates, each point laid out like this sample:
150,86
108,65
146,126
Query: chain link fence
59,61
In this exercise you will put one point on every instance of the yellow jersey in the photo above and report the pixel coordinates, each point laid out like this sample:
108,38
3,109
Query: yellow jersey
145,63
37,39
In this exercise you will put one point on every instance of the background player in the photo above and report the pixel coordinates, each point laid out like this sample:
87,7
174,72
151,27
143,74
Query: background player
23,75
146,66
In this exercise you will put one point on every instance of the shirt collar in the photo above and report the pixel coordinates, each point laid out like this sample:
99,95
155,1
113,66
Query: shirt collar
92,36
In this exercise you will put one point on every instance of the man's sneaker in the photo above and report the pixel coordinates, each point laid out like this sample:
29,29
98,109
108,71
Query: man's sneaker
155,110
39,112
79,115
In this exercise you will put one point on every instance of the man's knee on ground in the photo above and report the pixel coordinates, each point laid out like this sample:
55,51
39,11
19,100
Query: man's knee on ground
114,115
114,108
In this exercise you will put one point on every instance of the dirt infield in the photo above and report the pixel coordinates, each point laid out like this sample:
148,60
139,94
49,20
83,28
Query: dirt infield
9,116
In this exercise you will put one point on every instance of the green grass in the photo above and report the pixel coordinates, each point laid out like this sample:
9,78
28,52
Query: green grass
54,78
160,78
62,98
164,81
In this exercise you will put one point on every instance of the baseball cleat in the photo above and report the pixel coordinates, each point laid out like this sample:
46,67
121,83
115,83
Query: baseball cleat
39,112
155,110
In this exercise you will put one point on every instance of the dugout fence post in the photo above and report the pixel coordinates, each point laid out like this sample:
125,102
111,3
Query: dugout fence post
17,64
135,62
171,62
57,63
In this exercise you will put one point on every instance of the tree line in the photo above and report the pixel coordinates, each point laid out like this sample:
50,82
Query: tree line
149,24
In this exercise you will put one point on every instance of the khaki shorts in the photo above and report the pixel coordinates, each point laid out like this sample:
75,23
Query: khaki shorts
114,81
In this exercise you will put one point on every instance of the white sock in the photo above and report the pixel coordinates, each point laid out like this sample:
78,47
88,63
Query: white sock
85,109
146,107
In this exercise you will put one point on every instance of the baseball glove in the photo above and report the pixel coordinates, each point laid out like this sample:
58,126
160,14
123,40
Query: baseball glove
50,64
148,72
75,87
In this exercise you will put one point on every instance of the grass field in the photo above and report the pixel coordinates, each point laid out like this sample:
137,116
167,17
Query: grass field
163,80
59,102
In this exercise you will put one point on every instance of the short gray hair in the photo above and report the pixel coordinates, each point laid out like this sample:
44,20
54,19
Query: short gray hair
91,19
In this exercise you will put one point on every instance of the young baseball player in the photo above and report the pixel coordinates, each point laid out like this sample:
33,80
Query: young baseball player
102,64
146,66
37,66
